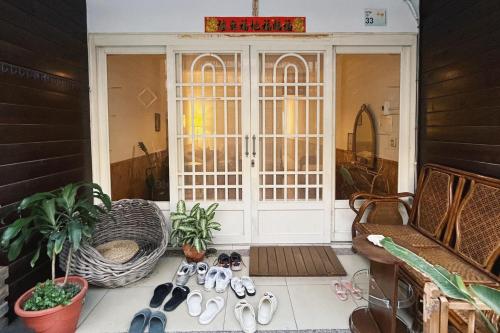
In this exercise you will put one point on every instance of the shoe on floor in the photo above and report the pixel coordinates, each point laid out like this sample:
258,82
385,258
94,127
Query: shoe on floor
211,277
245,315
212,308
140,321
236,261
185,271
157,322
201,269
193,301
237,287
248,285
223,260
223,279
267,307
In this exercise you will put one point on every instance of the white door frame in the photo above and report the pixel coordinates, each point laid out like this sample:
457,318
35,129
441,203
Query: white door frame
99,45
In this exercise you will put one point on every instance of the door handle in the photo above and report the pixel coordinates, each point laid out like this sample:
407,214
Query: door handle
254,153
246,145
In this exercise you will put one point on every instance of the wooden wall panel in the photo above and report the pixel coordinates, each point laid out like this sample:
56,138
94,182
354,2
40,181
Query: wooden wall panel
459,92
44,109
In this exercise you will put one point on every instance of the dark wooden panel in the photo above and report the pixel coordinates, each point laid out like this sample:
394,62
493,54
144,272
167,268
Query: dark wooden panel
44,110
459,90
21,152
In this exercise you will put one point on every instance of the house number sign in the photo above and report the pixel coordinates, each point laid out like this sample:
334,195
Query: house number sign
255,24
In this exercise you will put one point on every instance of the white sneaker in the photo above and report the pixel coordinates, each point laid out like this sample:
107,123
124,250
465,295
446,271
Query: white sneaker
237,287
185,271
222,279
212,308
193,302
245,315
201,269
267,307
210,277
249,285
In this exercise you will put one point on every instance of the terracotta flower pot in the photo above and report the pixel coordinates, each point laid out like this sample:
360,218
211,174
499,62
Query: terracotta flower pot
61,319
191,254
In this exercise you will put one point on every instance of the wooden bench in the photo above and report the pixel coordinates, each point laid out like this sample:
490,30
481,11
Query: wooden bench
454,221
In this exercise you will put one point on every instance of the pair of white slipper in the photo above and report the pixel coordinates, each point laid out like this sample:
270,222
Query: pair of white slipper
212,307
218,278
245,313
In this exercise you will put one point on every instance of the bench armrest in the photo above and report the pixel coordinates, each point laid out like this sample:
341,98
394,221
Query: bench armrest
375,197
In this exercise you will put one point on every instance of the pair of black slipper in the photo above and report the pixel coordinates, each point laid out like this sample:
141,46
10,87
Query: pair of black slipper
179,295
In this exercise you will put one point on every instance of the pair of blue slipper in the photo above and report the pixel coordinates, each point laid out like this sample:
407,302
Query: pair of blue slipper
156,320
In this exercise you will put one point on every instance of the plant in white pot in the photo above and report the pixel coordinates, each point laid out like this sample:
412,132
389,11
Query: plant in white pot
66,215
193,229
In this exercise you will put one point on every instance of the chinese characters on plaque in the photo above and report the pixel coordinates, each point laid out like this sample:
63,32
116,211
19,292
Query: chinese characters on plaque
255,24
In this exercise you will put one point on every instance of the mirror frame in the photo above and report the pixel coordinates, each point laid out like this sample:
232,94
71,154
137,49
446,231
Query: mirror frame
364,109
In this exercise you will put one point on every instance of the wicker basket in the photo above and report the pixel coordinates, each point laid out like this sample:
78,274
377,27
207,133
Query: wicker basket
129,219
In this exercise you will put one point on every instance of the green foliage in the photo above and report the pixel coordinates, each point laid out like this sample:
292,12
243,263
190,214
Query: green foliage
450,284
67,214
48,295
194,227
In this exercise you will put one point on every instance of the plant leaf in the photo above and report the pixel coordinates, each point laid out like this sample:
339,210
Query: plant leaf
177,216
487,295
15,248
448,286
60,238
49,211
14,229
26,202
35,257
211,209
194,209
75,234
181,207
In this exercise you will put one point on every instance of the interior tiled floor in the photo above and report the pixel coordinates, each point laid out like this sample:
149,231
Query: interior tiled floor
304,303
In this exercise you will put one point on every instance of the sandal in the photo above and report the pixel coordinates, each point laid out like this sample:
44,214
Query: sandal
340,290
157,322
212,309
236,261
245,314
238,288
248,285
179,295
140,321
159,294
355,292
223,260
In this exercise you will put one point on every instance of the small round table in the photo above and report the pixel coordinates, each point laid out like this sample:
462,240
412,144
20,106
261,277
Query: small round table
383,291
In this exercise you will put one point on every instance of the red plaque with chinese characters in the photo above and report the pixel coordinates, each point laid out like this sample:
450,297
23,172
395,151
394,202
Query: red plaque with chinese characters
255,24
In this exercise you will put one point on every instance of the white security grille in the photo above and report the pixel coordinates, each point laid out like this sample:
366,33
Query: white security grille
291,126
209,139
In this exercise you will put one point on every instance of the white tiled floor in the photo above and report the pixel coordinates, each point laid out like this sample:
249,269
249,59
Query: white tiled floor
304,303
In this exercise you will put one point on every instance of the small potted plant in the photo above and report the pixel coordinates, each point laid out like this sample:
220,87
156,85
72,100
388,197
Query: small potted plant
67,215
193,229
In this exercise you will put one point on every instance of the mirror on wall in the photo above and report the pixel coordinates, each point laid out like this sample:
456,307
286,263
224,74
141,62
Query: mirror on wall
364,138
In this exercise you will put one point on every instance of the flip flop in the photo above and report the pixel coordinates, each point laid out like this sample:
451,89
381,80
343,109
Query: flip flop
157,322
355,292
140,321
238,288
194,303
212,308
160,294
340,290
248,285
179,295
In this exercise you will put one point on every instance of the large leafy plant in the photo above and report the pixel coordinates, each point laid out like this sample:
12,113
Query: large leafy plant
64,216
195,227
451,285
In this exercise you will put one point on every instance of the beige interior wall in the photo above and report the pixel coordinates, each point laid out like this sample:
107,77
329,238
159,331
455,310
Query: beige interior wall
130,121
368,79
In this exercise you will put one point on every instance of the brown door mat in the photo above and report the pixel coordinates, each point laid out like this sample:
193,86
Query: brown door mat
294,261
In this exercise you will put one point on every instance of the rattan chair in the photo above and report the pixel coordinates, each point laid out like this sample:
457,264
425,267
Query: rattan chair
130,219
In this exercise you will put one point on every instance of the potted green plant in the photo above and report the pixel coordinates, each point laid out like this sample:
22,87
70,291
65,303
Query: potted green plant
193,229
67,215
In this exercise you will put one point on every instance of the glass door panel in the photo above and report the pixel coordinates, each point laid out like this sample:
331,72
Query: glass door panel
209,132
291,126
